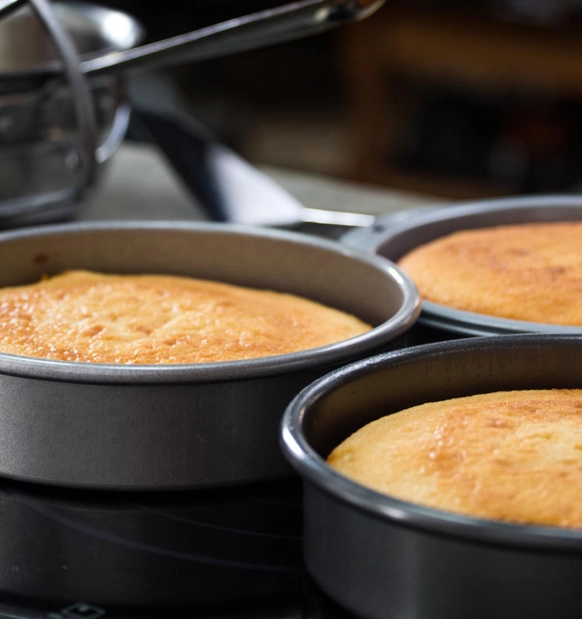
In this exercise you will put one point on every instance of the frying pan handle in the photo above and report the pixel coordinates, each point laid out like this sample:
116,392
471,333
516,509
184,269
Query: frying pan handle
369,239
260,29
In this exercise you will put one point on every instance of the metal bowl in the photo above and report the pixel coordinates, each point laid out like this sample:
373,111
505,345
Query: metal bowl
384,558
394,237
149,427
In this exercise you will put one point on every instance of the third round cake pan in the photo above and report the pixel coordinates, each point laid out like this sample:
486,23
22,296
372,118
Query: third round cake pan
384,558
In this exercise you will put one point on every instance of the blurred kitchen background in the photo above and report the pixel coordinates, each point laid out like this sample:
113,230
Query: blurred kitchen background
446,97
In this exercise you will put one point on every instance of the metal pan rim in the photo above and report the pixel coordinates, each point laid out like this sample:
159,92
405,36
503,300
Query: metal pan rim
66,371
442,317
452,211
387,227
310,465
472,323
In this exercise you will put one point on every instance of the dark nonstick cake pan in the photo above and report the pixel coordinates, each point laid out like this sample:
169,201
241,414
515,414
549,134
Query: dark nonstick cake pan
384,558
393,236
192,425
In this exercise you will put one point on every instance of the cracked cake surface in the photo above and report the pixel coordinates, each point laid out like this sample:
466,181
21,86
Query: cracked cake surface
94,317
511,455
530,272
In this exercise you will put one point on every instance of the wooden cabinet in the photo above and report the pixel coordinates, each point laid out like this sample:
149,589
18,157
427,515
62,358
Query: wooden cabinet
461,50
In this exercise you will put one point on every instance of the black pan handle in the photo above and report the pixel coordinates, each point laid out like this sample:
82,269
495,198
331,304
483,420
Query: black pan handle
187,146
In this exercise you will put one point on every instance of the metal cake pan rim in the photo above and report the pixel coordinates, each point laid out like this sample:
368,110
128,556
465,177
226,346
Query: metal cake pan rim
313,468
94,373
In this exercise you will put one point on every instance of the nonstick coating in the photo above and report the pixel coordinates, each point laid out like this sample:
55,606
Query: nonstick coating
173,426
387,559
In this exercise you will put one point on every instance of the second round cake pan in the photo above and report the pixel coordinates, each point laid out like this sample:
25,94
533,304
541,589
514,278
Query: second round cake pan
393,236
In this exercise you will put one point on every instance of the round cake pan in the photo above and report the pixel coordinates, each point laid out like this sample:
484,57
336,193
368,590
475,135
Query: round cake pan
394,236
384,558
172,426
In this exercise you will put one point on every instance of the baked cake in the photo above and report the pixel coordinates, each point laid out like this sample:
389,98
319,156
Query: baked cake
151,319
514,456
530,272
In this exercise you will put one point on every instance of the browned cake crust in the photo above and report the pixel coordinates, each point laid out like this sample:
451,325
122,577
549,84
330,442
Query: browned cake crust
513,456
151,319
529,272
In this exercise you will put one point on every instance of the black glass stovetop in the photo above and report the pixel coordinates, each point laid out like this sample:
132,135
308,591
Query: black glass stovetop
223,553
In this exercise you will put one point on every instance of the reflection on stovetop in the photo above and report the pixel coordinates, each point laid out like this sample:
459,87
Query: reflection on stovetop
224,553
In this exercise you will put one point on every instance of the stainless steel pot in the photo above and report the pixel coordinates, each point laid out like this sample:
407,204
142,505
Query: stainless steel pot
149,427
393,236
63,103
40,142
383,558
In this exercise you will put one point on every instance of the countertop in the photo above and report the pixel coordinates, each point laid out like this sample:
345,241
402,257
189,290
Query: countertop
138,184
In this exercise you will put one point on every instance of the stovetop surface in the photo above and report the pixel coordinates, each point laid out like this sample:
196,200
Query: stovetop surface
229,552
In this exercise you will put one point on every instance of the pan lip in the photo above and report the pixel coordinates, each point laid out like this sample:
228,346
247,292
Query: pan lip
448,212
352,495
443,317
343,351
390,226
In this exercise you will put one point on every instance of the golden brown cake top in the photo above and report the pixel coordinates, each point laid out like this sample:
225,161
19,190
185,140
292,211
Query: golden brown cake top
529,272
514,456
152,319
